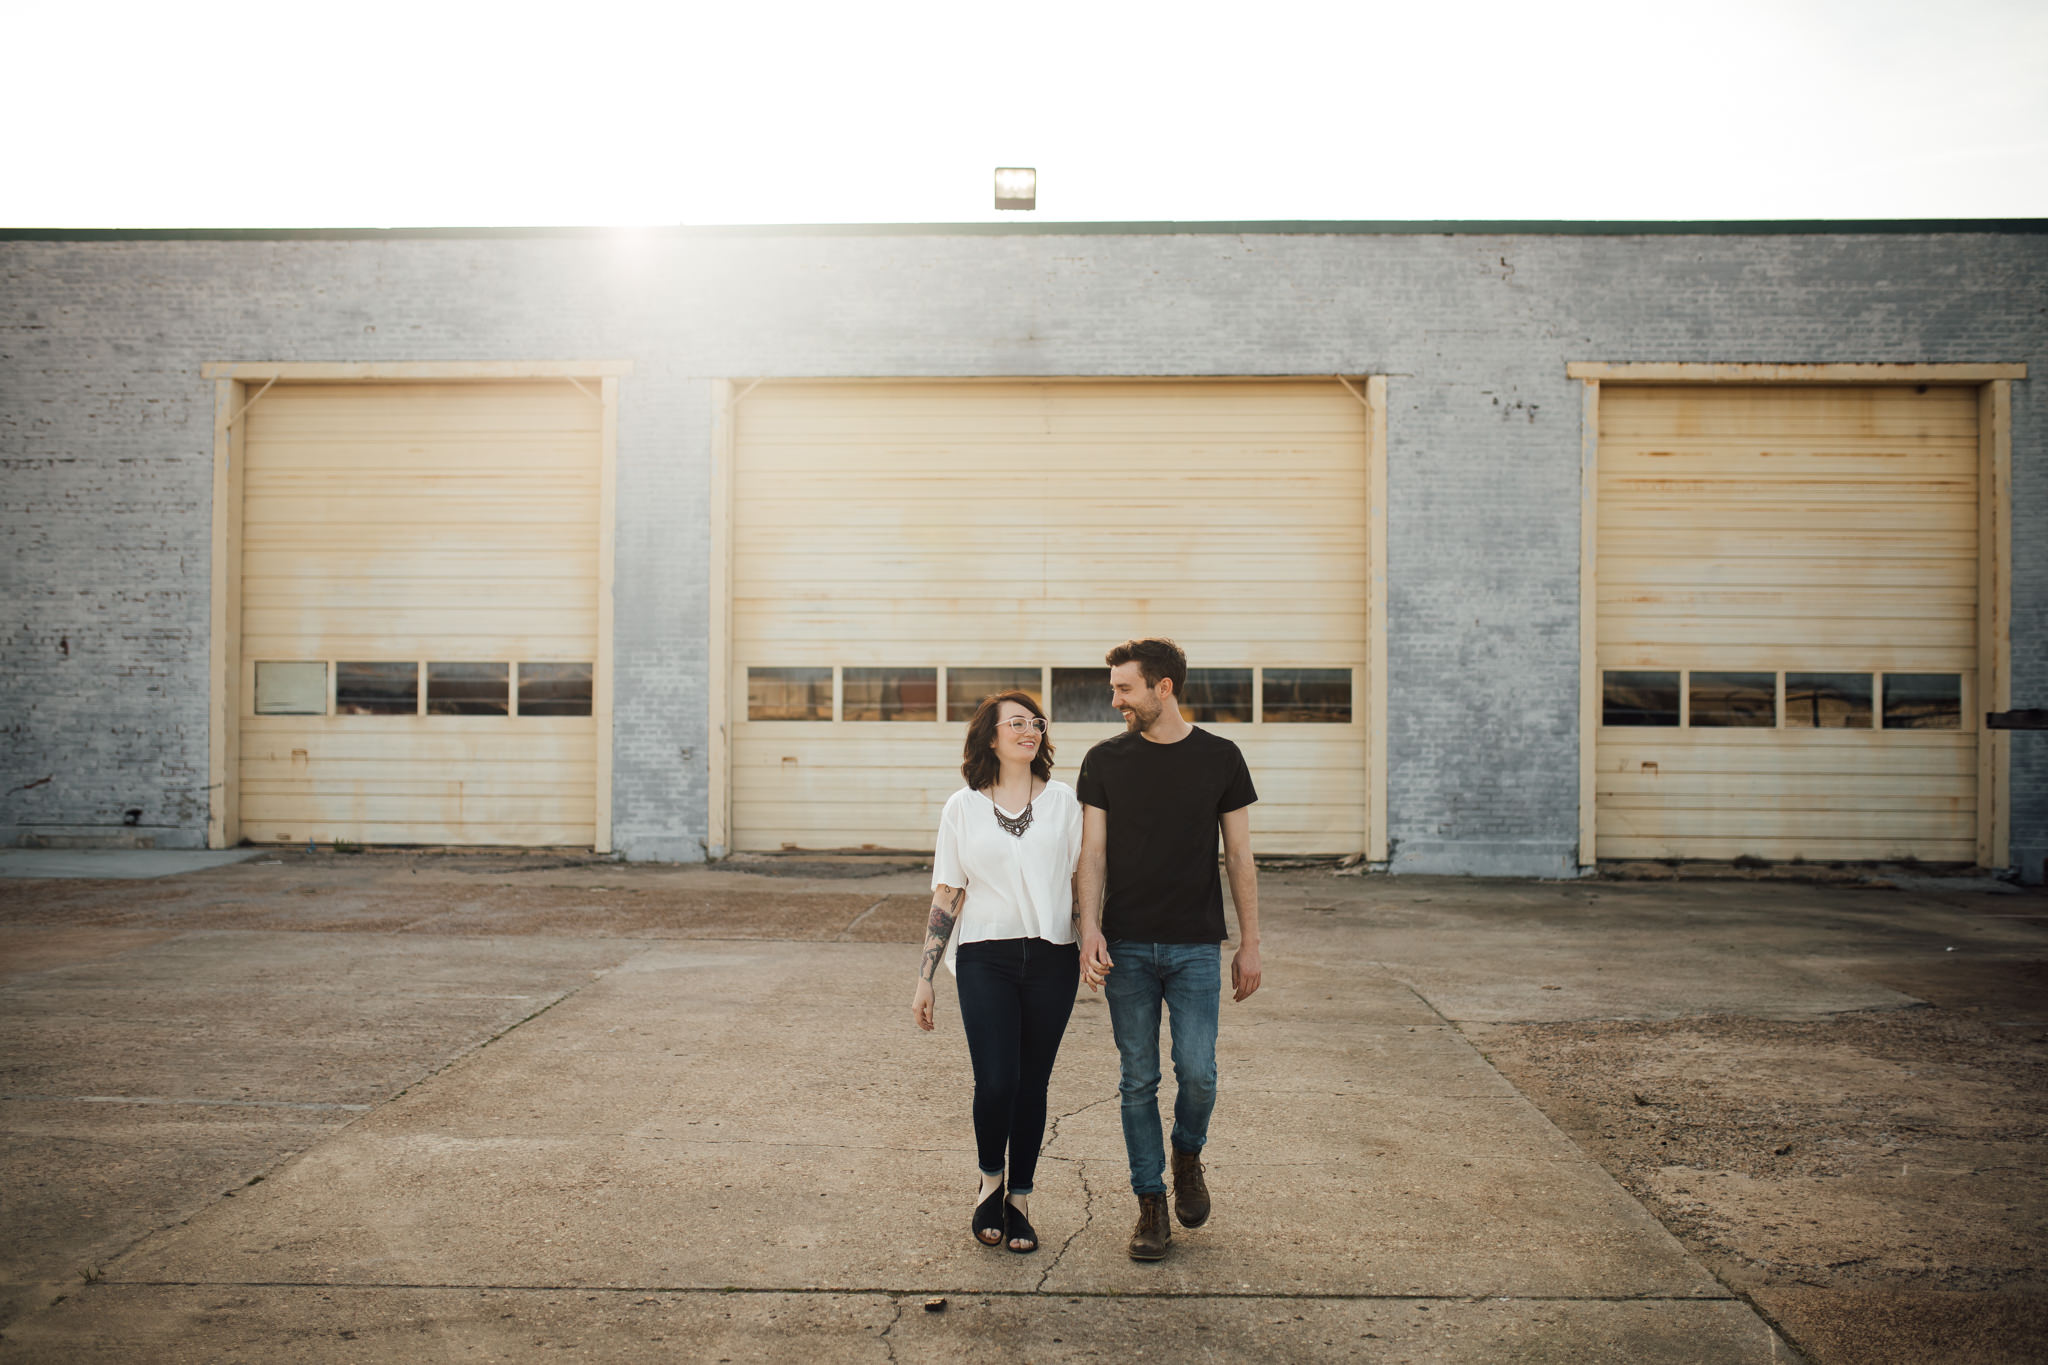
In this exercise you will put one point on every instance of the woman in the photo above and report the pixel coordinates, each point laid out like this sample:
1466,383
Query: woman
1003,877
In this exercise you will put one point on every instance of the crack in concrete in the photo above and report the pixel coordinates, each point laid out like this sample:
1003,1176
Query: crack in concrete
1053,1133
895,1316
1087,1218
1087,1191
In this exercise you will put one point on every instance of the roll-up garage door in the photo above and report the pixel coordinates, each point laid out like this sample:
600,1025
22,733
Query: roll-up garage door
1788,584
419,614
901,550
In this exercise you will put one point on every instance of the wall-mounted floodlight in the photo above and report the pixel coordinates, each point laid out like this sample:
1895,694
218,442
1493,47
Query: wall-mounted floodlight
1016,187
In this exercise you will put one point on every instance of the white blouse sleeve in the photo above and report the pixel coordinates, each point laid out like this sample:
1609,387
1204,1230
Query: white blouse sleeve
946,869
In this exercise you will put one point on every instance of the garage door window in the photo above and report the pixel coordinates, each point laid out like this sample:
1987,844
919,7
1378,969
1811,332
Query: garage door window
1734,700
291,688
469,689
966,687
1081,696
1813,701
1923,701
890,694
1827,701
376,689
1312,695
1224,695
554,689
789,694
1639,697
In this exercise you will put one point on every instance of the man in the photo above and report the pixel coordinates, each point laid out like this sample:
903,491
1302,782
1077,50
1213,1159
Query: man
1151,909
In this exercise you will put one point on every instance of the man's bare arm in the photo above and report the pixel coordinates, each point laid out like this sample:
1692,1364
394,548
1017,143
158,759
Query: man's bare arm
1090,872
1090,876
1244,894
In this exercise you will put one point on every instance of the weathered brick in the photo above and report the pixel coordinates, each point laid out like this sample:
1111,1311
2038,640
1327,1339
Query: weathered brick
106,444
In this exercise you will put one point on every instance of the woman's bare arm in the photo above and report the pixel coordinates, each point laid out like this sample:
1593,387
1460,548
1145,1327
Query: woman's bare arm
946,902
938,929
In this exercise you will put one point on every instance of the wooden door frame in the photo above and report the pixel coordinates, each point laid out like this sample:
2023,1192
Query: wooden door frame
726,396
1993,692
239,385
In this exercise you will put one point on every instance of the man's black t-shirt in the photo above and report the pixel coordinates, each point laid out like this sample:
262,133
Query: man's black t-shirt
1164,801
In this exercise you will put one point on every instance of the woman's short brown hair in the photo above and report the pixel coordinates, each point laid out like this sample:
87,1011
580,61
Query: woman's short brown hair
979,764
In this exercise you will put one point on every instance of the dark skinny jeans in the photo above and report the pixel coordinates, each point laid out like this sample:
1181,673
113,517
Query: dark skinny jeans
1016,995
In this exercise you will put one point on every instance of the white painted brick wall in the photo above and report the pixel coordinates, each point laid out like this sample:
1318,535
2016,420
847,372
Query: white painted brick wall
106,445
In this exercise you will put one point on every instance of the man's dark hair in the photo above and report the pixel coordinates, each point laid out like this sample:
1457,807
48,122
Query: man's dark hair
1156,658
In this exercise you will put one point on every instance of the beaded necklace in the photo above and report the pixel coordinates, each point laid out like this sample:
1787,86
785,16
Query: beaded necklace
1012,824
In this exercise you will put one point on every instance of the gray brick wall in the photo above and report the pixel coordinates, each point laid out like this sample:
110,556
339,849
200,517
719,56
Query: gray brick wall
2030,607
106,439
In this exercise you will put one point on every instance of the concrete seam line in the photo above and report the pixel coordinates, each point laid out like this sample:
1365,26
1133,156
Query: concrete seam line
154,1099
466,1053
823,1146
288,1158
861,916
1770,1321
880,1291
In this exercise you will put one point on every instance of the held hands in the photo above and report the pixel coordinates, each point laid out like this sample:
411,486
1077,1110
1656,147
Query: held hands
1095,963
1244,971
921,1005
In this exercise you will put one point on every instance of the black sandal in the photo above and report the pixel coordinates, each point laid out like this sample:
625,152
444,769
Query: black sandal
988,1217
1016,1227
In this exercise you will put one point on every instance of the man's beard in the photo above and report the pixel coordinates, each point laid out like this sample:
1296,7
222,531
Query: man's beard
1140,722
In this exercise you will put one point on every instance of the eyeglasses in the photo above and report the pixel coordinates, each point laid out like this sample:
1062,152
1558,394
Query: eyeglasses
1020,724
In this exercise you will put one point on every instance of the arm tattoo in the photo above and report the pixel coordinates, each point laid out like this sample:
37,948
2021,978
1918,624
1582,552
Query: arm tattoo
939,928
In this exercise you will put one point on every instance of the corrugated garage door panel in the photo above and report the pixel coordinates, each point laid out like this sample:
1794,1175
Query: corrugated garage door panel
1023,496
427,522
1817,530
847,794
1014,524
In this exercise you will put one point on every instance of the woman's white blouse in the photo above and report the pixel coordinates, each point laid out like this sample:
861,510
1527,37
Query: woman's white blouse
1018,886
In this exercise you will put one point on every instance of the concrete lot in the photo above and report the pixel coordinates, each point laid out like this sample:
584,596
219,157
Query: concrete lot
320,1107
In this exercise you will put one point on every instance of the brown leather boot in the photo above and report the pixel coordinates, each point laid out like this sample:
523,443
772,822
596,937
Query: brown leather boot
1154,1230
1190,1190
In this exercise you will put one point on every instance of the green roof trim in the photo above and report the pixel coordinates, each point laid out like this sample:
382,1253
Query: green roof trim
1746,227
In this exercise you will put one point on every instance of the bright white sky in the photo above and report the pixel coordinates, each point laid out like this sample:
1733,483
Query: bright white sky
380,114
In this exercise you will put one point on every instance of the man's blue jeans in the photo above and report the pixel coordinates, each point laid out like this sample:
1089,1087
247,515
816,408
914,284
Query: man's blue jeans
1188,979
